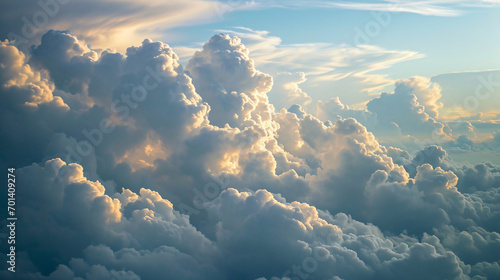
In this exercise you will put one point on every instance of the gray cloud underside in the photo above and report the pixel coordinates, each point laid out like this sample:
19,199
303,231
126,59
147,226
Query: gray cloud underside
131,166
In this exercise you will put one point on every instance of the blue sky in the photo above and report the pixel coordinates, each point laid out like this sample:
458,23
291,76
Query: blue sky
443,36
471,33
463,41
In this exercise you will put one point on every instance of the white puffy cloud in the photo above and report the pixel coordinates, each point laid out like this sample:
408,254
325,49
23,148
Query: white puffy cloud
406,118
406,111
286,91
226,78
254,234
417,117
331,66
67,216
23,86
333,109
428,94
122,180
28,100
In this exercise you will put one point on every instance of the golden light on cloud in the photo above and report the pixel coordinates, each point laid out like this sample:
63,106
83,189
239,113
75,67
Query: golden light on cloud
229,163
217,165
119,24
144,155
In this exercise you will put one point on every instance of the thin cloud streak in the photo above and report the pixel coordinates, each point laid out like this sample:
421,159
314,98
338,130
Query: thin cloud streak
443,8
323,61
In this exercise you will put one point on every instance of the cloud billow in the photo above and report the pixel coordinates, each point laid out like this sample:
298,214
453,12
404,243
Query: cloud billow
112,148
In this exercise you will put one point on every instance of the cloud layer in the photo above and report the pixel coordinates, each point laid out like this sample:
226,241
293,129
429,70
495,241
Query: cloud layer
145,169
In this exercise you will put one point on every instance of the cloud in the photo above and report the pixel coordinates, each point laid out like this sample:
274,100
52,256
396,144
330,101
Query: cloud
68,207
409,114
322,61
226,78
94,25
92,22
333,109
469,93
140,235
426,92
426,8
479,177
397,7
286,91
418,116
27,100
28,88
142,169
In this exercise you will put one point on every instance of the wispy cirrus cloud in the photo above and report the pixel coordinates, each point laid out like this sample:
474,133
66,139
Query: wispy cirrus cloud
111,23
322,61
104,24
353,69
428,8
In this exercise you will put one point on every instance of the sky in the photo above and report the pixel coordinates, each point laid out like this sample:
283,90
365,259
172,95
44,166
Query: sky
260,140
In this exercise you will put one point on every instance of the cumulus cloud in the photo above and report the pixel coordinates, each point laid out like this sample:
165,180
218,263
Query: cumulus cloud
427,93
407,117
287,92
66,207
334,109
414,116
256,234
325,65
406,110
142,169
24,86
226,78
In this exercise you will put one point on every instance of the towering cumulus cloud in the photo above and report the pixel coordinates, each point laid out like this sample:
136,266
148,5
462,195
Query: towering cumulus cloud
131,166
411,111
